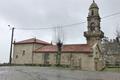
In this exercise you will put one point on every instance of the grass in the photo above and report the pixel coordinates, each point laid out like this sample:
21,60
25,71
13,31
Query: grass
112,69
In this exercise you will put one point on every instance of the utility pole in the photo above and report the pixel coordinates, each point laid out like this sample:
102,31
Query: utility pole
10,57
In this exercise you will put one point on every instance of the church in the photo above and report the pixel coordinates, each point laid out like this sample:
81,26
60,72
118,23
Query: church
79,56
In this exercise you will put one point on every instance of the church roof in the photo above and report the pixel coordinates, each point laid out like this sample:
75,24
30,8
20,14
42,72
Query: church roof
32,40
73,48
93,5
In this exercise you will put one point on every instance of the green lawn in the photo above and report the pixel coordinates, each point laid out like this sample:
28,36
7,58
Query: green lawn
112,69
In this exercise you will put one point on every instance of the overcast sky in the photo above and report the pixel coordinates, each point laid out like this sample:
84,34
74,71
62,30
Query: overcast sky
51,13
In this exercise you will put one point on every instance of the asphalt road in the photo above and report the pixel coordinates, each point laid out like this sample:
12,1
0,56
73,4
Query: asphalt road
45,73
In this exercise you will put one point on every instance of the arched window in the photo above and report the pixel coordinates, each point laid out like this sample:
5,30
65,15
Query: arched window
92,13
92,28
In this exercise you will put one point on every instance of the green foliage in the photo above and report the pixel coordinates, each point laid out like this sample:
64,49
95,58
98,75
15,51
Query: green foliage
112,69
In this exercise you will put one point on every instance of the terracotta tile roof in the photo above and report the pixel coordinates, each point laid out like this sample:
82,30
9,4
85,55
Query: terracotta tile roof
74,48
32,40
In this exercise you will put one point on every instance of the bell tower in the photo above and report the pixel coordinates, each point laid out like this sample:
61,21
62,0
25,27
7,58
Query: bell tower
93,33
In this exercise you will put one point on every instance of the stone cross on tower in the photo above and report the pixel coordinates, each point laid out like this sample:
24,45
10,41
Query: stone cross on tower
94,33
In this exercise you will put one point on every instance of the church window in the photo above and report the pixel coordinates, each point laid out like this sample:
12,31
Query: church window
23,53
46,58
92,12
92,27
16,56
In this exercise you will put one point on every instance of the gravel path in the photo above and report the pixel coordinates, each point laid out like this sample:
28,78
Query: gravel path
45,73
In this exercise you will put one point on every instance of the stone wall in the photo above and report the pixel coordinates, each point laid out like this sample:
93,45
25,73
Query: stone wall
76,60
23,53
99,62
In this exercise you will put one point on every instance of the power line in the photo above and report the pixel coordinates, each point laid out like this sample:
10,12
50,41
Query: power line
63,26
114,14
68,25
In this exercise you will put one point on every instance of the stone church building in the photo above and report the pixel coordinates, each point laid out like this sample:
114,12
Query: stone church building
83,56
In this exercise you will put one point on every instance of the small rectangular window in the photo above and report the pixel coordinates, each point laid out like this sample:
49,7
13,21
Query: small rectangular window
16,56
23,53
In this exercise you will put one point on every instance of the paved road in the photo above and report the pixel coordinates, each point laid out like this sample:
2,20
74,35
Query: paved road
40,73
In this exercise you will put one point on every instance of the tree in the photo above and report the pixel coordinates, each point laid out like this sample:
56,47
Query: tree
105,45
111,49
58,39
118,35
118,41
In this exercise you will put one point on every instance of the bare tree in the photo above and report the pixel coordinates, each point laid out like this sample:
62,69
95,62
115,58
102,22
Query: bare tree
118,41
111,48
118,35
58,35
105,44
58,39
